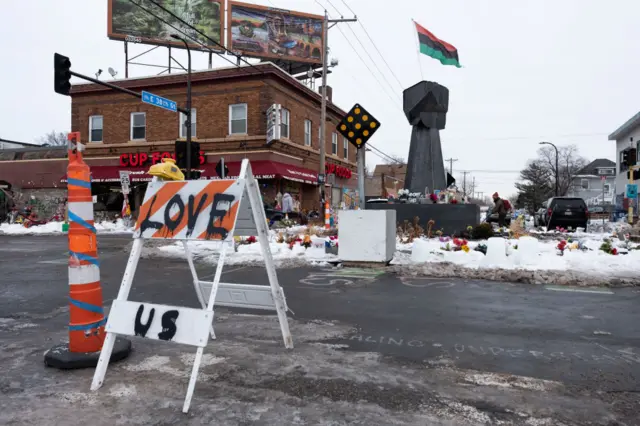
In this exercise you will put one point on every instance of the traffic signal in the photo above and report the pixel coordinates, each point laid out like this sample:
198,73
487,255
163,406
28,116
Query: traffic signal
632,159
181,154
636,174
61,74
358,126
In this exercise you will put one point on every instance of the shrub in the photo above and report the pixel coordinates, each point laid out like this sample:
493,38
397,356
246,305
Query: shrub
482,231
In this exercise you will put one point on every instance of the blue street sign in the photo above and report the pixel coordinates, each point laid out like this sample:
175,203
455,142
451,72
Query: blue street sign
632,190
159,101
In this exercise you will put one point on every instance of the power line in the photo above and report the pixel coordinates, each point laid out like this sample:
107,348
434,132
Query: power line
374,44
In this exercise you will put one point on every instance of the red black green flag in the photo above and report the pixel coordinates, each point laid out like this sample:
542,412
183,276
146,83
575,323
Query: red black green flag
432,46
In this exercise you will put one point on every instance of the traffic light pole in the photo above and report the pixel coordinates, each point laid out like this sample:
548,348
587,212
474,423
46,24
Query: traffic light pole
323,103
630,212
361,177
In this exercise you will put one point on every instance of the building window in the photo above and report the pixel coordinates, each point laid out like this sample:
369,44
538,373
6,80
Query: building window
138,126
584,183
307,132
334,143
345,147
183,123
238,119
284,123
95,128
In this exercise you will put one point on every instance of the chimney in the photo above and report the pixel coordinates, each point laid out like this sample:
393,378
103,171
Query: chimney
329,92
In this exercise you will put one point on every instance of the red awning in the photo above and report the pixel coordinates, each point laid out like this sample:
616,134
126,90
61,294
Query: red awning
262,169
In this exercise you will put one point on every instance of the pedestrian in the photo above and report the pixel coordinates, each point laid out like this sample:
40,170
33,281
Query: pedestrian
287,203
500,209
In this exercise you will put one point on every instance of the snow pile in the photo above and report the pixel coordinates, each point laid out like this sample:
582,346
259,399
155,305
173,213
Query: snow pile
56,228
506,259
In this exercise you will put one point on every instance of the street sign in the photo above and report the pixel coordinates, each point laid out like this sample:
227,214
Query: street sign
632,190
125,181
358,126
273,123
321,178
159,101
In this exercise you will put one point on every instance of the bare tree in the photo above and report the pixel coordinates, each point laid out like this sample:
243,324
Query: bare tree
569,163
54,139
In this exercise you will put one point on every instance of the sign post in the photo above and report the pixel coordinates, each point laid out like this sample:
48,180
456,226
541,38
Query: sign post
357,127
201,210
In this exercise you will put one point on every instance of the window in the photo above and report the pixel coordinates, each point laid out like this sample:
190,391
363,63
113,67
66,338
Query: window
138,126
345,147
238,119
307,132
95,128
334,143
284,123
584,183
183,123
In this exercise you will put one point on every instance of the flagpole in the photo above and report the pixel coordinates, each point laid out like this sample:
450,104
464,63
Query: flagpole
415,32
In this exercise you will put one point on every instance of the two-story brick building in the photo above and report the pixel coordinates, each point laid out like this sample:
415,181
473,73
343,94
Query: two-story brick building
229,120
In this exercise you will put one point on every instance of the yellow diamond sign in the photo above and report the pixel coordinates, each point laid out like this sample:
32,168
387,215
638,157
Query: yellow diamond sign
358,126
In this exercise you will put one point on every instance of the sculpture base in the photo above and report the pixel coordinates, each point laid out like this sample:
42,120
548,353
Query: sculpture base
450,218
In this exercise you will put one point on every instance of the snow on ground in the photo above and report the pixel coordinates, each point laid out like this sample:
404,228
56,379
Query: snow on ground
56,228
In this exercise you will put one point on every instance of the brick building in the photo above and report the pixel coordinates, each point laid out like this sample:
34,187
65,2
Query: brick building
229,120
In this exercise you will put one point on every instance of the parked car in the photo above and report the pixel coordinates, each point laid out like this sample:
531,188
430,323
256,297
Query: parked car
566,212
493,217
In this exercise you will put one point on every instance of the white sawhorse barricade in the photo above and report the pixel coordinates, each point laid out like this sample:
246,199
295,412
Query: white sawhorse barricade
213,210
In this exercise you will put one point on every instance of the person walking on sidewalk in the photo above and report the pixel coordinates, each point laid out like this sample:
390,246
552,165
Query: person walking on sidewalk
500,209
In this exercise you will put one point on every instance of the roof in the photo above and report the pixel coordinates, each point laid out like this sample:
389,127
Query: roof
592,168
626,128
264,68
26,144
390,169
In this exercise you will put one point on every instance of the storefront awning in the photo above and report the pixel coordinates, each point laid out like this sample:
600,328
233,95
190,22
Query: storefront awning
262,169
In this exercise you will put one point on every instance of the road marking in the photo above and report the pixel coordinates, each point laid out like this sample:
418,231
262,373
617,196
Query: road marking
55,262
578,290
354,272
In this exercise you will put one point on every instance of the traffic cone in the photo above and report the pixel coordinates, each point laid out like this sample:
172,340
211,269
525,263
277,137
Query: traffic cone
327,216
86,314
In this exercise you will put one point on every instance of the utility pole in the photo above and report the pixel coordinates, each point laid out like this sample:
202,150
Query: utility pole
451,161
473,188
464,183
323,102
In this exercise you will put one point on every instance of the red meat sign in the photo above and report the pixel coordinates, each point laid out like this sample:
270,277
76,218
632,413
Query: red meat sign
140,159
339,171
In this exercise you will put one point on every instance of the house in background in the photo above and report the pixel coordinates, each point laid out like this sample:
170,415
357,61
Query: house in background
595,181
7,144
387,179
626,136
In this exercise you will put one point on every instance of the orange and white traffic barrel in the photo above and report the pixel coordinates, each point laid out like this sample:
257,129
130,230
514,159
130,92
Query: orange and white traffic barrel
327,216
86,314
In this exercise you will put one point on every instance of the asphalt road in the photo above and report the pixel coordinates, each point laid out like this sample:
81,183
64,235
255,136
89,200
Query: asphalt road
552,333
587,339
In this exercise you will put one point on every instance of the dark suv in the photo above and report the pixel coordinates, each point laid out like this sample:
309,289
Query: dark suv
566,212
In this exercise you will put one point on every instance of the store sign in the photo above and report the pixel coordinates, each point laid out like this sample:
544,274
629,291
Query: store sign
140,159
339,171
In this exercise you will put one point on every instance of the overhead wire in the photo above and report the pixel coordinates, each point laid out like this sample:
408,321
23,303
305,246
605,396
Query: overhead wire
374,44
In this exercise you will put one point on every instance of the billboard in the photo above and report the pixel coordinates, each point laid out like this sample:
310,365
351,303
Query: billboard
270,33
126,21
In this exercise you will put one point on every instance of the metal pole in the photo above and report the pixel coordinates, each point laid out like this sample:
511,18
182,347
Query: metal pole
361,177
222,168
169,60
323,109
126,59
210,60
604,181
630,211
188,121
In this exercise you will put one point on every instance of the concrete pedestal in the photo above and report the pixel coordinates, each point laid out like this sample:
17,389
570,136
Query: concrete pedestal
367,236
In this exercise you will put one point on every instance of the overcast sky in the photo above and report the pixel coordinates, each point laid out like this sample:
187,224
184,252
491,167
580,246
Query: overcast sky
564,71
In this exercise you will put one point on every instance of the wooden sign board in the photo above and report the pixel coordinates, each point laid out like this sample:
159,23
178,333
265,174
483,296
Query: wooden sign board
195,210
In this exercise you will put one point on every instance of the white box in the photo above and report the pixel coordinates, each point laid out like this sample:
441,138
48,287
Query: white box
366,235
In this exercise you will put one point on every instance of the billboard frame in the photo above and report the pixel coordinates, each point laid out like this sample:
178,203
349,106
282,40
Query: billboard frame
269,56
167,43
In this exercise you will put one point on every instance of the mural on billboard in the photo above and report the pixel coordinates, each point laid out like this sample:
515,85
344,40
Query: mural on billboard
127,21
264,32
